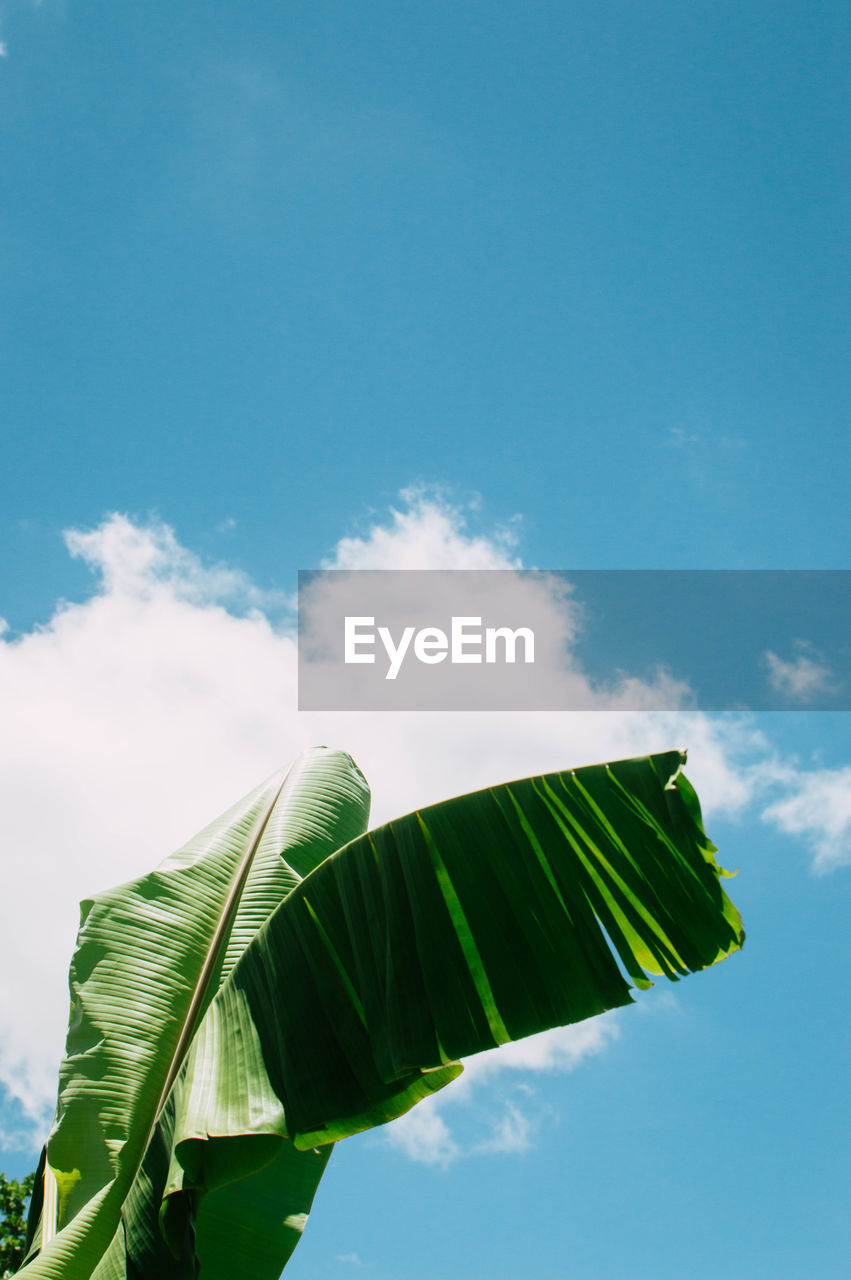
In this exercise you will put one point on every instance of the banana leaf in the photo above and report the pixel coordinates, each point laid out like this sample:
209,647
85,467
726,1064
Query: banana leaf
456,928
150,957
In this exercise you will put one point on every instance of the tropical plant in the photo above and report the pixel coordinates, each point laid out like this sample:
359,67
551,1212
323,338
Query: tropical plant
288,978
13,1202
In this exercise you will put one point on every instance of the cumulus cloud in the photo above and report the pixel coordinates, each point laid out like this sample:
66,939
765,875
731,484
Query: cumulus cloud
133,717
429,531
127,720
146,562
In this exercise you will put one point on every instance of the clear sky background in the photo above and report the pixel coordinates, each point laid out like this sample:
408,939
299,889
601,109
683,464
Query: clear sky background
432,285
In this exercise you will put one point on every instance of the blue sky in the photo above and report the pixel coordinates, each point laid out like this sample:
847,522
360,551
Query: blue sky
579,273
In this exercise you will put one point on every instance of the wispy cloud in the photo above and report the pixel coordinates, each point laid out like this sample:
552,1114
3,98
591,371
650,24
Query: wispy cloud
351,1259
501,1125
424,1136
802,677
511,1133
681,439
817,807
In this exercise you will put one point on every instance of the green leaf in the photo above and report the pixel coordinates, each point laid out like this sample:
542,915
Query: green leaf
315,1008
150,957
13,1198
482,919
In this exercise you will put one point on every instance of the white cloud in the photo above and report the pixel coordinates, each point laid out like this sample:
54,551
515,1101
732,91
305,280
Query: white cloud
819,809
351,1259
510,1134
801,678
146,562
429,532
560,1049
132,718
126,721
424,1134
489,588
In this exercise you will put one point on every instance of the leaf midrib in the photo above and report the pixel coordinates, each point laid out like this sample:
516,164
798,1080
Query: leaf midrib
217,944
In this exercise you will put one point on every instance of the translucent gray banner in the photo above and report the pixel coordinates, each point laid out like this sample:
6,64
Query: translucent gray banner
561,640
